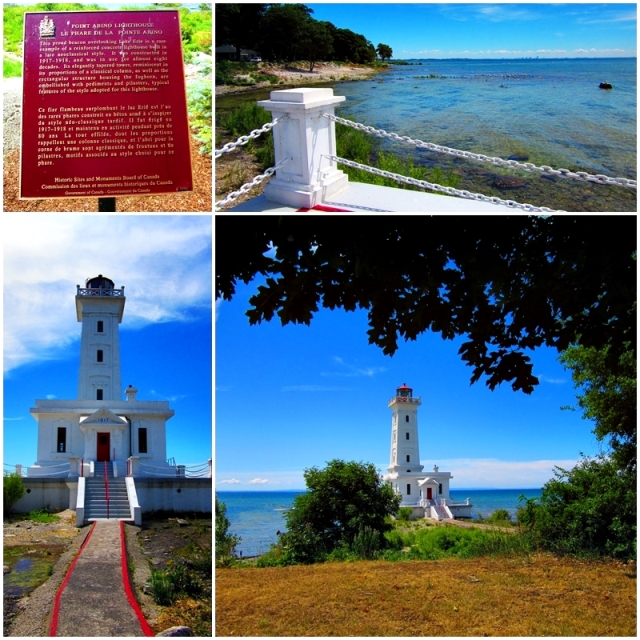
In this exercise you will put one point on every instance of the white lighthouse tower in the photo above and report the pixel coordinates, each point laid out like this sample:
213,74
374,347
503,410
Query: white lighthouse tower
99,306
428,494
404,465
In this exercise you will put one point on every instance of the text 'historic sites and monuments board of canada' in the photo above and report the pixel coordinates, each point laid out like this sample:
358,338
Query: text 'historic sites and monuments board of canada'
104,110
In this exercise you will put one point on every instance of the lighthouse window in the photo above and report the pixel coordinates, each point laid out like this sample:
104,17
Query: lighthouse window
99,393
142,440
408,489
100,355
406,418
439,488
100,328
408,458
407,434
61,447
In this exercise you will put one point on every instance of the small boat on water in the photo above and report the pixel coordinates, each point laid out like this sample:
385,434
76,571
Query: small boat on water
606,85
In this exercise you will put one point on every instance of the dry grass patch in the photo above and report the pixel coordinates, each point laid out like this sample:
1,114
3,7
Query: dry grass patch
535,596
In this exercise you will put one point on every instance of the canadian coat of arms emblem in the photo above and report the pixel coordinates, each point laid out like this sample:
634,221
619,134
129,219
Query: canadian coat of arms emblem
47,28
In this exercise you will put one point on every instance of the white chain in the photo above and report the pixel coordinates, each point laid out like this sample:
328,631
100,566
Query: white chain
230,146
461,193
526,166
245,188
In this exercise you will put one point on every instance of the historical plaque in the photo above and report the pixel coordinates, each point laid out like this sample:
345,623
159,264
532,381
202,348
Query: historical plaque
104,109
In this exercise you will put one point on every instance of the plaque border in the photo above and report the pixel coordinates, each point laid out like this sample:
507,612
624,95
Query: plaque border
186,106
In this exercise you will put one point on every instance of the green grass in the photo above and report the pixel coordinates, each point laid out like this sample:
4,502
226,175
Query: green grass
351,144
11,68
437,543
42,515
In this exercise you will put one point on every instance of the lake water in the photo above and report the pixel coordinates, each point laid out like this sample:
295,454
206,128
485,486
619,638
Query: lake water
551,111
256,516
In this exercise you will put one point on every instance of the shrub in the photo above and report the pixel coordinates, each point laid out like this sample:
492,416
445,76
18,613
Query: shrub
199,103
366,543
346,503
12,490
225,542
589,511
404,514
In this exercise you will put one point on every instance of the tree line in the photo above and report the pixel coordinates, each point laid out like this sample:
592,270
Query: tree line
287,32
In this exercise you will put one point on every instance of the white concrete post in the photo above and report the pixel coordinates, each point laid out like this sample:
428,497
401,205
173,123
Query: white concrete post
304,135
74,466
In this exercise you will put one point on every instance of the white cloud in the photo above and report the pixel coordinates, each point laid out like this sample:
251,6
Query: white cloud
50,396
543,378
12,419
352,371
468,473
286,480
492,473
164,262
314,387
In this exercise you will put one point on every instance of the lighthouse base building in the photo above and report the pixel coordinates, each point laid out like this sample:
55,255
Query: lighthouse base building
427,493
100,455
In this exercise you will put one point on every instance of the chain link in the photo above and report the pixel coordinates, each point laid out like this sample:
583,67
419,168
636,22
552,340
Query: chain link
513,164
245,188
230,146
450,191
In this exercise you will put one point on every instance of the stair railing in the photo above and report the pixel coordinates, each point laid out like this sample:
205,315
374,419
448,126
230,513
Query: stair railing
106,486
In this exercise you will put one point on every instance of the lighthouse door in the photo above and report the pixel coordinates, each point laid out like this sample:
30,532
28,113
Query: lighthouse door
429,494
103,447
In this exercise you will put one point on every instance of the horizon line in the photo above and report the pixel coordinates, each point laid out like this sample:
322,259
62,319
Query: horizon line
304,490
635,57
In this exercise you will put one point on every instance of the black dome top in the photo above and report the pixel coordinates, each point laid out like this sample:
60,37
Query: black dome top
100,282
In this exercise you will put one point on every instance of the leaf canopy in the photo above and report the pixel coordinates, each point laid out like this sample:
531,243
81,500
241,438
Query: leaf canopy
507,284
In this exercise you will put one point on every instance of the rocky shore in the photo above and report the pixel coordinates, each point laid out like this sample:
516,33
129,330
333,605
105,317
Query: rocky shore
297,74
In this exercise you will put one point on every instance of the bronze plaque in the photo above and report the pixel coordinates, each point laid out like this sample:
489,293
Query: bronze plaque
104,110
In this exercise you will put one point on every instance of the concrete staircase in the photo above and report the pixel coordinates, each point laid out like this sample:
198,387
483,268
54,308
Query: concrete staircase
95,497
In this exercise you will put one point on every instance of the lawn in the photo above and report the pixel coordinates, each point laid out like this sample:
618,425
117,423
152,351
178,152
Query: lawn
536,595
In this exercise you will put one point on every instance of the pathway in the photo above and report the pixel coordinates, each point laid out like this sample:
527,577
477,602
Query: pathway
92,601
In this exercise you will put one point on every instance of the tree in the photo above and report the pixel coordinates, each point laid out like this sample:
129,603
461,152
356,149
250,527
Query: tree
316,41
225,541
590,511
345,503
238,24
12,490
608,397
507,284
282,31
384,51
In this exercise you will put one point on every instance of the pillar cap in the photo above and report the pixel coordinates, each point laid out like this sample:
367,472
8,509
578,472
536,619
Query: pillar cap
302,98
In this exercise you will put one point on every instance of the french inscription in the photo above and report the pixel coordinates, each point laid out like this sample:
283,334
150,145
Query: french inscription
104,93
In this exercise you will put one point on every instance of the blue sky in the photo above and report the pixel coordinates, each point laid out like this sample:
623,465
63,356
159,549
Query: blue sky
288,398
164,263
490,30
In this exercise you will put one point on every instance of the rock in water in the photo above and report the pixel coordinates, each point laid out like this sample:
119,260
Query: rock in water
175,632
508,182
606,85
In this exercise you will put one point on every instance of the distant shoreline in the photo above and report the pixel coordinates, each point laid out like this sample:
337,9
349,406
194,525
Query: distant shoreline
296,74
